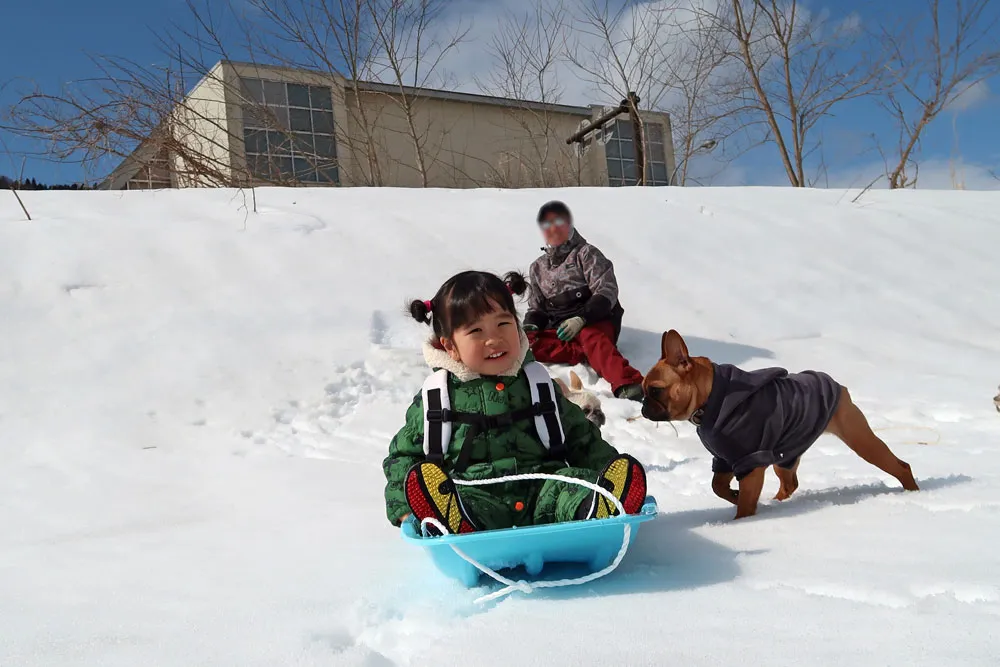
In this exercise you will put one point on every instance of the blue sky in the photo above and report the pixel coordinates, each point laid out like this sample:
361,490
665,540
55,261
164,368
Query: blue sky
48,42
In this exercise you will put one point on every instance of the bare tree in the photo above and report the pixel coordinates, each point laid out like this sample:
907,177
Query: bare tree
18,182
617,47
943,54
409,54
147,116
128,112
393,42
797,67
527,50
327,36
704,114
152,119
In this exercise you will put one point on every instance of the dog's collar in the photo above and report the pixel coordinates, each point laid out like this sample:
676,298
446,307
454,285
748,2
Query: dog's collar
696,416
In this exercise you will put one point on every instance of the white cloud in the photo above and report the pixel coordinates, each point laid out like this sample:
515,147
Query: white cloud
971,96
471,62
852,24
941,174
933,174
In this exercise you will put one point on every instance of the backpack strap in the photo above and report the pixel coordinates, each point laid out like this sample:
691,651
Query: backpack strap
545,409
437,416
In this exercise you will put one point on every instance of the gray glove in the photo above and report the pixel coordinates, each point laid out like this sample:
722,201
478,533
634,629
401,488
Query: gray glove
569,329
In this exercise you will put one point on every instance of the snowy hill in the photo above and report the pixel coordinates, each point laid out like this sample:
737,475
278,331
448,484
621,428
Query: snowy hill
195,401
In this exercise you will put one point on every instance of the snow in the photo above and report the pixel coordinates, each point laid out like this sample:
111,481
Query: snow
195,400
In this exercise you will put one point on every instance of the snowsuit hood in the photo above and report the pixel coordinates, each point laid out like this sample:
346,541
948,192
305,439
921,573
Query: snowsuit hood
438,358
759,418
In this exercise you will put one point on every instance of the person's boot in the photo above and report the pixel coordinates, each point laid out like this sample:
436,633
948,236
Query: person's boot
430,493
631,392
625,478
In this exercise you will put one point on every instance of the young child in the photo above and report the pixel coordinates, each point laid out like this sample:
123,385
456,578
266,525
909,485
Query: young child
494,426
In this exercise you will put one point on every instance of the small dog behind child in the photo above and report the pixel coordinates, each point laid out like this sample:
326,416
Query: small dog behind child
586,400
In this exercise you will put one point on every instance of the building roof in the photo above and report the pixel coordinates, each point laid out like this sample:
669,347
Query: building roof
127,168
475,98
452,96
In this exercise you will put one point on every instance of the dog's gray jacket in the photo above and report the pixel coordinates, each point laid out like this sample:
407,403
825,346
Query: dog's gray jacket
757,418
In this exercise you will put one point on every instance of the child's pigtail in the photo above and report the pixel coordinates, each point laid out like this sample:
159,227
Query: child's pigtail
516,283
421,311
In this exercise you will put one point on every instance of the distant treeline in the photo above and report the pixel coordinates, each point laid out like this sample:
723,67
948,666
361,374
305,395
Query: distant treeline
31,184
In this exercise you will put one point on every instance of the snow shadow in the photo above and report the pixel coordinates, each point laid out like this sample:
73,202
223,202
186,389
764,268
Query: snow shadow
665,555
804,502
642,349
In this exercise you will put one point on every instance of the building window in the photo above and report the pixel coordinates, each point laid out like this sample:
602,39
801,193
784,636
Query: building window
620,153
152,176
288,132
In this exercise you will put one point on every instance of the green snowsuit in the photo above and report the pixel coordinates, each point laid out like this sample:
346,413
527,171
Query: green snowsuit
495,453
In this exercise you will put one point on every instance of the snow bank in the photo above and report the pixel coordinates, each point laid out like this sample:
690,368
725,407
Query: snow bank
195,400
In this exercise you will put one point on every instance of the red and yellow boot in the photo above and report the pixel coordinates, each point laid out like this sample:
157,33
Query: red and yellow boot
430,493
625,478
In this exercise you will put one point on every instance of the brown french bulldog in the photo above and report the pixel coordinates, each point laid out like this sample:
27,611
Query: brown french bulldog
750,420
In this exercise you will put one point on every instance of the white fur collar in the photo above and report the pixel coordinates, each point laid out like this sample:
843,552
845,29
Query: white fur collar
436,358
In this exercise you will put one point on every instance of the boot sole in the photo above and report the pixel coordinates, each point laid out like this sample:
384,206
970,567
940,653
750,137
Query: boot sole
628,483
426,500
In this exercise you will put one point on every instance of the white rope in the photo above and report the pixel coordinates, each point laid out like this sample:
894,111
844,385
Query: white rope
524,586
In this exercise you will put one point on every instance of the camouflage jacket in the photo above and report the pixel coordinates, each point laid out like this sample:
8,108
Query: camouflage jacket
498,452
572,279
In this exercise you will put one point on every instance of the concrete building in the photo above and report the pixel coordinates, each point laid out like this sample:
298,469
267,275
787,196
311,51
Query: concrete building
246,123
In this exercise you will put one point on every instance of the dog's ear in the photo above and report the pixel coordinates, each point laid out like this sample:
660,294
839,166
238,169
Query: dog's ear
562,385
673,350
574,381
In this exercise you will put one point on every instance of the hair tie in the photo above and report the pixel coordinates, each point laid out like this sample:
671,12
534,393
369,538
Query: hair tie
510,289
429,306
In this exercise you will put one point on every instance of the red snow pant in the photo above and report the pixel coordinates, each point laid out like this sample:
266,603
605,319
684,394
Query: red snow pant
593,346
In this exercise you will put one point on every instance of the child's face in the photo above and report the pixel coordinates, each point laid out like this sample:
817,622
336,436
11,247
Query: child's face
487,345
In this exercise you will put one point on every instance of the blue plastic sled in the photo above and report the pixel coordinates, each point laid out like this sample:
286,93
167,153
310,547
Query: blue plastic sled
595,542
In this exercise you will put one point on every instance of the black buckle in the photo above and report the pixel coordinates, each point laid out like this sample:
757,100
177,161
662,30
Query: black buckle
499,421
442,415
546,408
